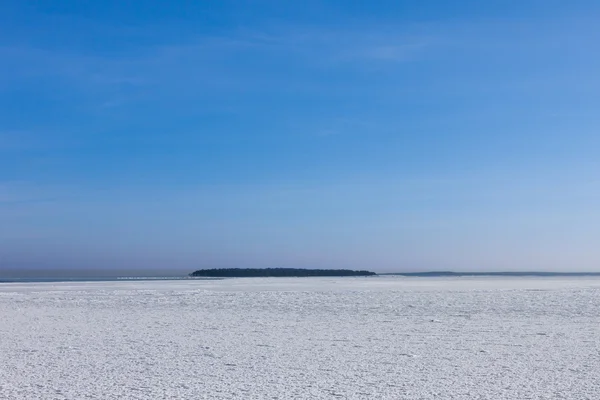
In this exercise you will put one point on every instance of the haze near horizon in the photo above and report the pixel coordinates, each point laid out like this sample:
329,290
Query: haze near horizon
393,136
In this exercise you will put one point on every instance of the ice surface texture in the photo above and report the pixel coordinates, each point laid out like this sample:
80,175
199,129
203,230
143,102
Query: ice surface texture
304,338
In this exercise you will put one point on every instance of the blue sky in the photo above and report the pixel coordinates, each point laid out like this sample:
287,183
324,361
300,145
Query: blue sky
389,135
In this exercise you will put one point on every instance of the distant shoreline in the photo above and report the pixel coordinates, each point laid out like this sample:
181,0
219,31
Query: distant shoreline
265,273
302,272
514,273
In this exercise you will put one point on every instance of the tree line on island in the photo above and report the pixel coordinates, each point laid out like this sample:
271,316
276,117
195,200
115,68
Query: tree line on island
275,272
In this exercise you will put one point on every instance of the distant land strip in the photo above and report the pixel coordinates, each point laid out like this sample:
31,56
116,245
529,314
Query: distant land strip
302,272
275,272
510,273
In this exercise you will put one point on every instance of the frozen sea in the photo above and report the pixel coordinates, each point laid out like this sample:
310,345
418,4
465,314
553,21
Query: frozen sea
302,338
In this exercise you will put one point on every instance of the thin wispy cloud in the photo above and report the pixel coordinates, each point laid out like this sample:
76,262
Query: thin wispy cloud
21,141
199,61
208,62
13,193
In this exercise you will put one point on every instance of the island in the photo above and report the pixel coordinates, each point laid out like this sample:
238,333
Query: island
275,272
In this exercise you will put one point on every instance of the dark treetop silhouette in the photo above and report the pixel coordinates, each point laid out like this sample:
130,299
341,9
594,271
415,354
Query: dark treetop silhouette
276,272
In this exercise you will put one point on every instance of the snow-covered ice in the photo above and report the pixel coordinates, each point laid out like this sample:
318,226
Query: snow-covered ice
304,338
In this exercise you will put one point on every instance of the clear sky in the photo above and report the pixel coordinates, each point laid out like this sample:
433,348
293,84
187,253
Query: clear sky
386,135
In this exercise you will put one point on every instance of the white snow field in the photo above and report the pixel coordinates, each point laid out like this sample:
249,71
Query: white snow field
303,338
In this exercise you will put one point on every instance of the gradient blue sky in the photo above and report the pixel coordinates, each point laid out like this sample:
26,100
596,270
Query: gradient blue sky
388,135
